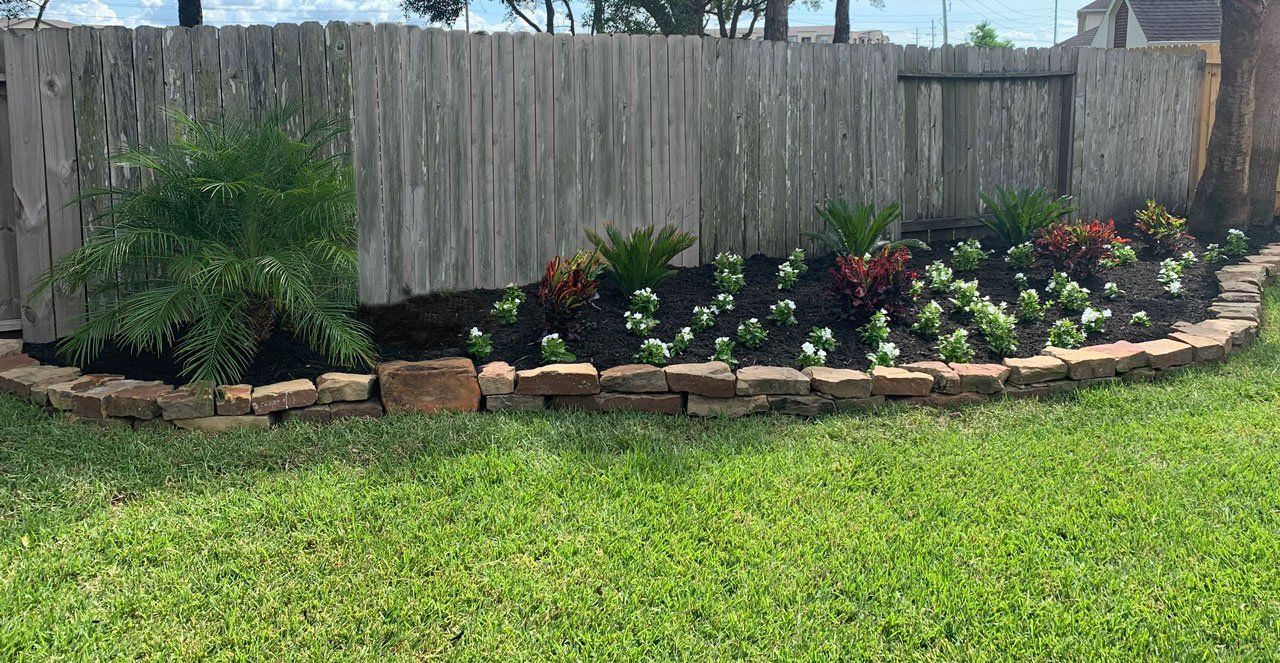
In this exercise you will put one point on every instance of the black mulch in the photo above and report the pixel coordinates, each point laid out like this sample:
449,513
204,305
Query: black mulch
435,325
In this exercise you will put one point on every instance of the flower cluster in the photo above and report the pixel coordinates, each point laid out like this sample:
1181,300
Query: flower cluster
1030,308
723,302
1140,319
939,275
822,338
704,318
724,351
479,344
787,276
1121,254
1237,244
1214,253
504,310
1188,259
783,313
751,333
681,342
1065,334
929,320
1171,276
877,328
554,351
638,323
1111,291
886,354
811,355
954,347
1020,281
1072,297
967,255
653,352
729,278
1094,321
964,295
998,326
1021,255
644,301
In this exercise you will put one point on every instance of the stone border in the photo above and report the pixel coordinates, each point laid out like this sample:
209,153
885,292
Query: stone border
709,389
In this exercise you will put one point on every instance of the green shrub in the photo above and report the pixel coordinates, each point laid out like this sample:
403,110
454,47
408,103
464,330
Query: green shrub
237,230
1016,215
857,231
642,258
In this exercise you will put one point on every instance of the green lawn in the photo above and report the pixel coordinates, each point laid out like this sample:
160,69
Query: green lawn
1140,520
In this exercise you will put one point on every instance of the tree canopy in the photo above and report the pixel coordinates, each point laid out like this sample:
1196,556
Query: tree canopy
984,34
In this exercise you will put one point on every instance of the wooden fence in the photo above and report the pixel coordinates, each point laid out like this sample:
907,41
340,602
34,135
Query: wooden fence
478,157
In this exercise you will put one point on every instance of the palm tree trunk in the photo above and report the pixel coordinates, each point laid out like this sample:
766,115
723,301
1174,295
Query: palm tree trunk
775,20
1264,160
1222,197
842,22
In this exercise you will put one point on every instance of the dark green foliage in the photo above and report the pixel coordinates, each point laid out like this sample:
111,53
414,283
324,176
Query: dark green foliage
1016,215
237,229
857,231
640,259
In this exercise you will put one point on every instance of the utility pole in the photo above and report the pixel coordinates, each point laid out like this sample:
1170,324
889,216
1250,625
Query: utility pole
933,43
1055,22
944,22
917,36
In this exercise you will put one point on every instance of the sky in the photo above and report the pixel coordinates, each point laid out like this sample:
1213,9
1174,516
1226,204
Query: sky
1026,22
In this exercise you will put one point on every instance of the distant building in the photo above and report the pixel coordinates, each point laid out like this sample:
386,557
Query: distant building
27,23
816,34
1142,23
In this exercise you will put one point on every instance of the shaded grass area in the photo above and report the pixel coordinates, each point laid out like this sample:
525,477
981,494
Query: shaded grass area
1138,520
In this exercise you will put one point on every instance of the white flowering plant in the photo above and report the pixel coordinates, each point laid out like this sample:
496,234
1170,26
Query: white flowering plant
751,333
1140,319
682,340
479,344
1213,253
1111,291
822,338
1237,244
704,318
506,308
783,312
1020,256
1057,281
1121,254
639,323
1094,321
1021,281
916,289
645,301
1174,288
1065,334
928,320
787,276
723,302
1188,259
1072,297
554,350
999,328
1030,308
967,255
954,347
886,354
876,330
653,352
724,351
730,283
964,295
811,355
729,262
939,275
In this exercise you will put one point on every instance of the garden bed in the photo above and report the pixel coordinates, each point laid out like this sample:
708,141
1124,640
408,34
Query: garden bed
436,325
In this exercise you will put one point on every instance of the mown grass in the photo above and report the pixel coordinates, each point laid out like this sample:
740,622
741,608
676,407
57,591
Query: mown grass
1137,521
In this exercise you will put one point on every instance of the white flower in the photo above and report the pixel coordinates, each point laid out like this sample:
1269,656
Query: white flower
808,348
476,333
550,337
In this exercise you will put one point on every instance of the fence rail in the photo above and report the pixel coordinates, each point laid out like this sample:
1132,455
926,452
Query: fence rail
478,157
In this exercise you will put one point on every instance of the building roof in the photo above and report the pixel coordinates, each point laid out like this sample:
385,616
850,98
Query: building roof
1179,21
18,23
1083,39
1096,6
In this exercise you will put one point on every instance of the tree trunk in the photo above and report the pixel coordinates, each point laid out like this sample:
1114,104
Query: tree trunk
1222,197
551,16
189,13
842,22
775,20
1264,158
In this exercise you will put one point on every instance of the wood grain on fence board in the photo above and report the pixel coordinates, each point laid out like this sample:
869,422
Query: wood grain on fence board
10,285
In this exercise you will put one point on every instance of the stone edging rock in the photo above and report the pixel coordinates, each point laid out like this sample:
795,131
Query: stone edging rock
709,389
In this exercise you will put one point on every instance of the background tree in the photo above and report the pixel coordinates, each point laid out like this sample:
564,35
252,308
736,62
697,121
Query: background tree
1264,155
448,11
984,35
842,19
775,20
15,9
1221,199
190,13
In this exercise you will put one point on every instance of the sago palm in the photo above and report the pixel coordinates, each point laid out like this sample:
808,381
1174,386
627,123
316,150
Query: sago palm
237,230
858,230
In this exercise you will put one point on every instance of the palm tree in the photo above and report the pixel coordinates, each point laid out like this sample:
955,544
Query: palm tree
1264,159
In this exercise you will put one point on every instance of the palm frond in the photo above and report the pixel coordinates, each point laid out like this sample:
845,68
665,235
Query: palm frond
859,230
